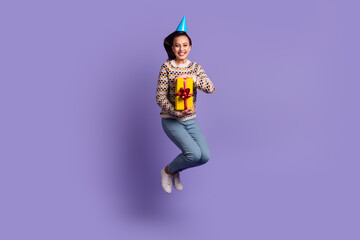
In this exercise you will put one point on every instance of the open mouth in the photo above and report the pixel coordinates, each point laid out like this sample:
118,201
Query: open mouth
181,54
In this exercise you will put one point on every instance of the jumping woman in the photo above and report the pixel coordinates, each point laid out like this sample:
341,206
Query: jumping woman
181,126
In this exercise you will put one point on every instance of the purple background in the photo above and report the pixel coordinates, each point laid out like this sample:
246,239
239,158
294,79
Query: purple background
81,138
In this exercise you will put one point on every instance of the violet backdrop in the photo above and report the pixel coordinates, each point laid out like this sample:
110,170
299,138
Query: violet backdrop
81,138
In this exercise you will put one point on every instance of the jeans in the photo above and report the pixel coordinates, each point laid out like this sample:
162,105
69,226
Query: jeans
191,141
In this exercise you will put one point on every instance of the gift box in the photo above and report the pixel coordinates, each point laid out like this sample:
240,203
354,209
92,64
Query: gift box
184,94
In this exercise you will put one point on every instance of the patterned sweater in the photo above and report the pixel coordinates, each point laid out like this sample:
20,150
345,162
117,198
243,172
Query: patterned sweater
165,91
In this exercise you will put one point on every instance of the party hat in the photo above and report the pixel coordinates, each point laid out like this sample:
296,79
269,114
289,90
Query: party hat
182,26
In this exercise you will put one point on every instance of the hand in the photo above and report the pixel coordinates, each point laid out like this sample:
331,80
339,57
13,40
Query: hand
187,112
184,76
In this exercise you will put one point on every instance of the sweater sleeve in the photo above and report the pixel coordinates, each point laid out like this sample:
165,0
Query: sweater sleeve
202,81
162,92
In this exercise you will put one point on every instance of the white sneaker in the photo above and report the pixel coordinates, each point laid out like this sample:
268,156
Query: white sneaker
177,183
166,181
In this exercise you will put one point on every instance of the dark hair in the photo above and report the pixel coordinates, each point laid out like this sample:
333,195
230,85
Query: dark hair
168,42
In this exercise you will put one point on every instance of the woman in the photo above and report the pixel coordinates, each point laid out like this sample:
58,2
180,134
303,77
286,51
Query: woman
181,126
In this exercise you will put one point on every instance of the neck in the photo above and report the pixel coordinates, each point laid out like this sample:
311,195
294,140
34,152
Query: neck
180,61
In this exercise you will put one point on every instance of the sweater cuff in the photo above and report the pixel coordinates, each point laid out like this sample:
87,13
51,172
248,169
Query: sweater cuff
195,79
176,113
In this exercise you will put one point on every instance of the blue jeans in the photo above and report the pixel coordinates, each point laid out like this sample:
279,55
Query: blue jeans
191,141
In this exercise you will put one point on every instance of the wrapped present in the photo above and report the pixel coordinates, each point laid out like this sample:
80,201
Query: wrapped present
184,94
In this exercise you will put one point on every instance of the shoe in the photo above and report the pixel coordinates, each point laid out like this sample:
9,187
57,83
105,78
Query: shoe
166,181
177,183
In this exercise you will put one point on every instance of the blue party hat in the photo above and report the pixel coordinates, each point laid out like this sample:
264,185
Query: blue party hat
182,26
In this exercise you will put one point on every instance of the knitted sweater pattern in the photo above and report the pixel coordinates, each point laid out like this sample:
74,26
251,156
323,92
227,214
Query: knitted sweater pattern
165,91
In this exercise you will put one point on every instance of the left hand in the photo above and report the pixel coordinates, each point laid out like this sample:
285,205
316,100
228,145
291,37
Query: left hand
184,76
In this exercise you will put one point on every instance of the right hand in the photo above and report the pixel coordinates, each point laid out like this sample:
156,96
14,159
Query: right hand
186,112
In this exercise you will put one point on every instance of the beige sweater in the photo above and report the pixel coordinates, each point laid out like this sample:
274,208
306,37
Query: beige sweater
165,91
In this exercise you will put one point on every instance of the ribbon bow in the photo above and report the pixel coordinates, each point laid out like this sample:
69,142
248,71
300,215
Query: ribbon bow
184,93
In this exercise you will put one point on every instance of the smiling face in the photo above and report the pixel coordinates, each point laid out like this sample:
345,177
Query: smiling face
181,48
